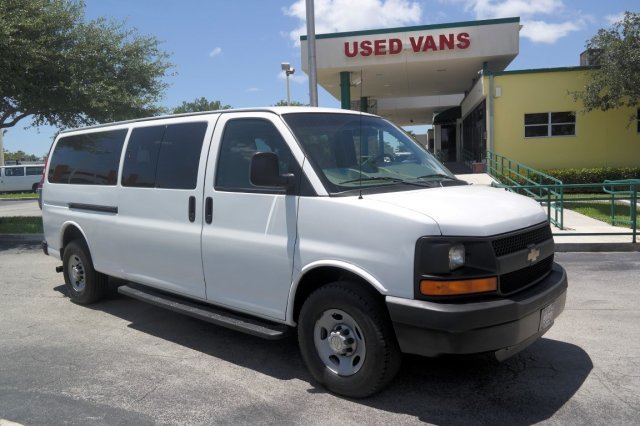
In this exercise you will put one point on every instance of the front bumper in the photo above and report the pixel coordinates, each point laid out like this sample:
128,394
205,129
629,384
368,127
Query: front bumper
505,326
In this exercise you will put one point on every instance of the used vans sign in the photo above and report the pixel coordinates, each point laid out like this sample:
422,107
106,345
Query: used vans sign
418,44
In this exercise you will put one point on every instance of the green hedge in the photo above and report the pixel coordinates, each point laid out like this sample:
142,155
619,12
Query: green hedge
594,175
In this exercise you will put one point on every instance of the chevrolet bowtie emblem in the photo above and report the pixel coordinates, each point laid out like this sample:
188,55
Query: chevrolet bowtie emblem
533,255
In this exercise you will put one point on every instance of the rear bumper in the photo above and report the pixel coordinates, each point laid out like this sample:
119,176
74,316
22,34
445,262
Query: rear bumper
504,326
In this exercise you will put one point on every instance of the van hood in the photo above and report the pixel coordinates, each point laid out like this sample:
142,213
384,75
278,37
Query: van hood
468,210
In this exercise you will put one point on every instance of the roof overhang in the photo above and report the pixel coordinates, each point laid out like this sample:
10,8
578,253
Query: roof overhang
436,63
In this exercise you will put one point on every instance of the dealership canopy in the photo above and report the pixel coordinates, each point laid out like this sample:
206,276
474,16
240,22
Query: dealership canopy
408,74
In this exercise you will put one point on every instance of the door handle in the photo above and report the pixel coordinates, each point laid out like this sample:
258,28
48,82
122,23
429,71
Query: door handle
192,209
208,210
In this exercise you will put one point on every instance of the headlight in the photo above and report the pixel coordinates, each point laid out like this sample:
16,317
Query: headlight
456,256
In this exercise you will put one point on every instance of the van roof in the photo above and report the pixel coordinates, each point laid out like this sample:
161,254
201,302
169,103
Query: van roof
276,110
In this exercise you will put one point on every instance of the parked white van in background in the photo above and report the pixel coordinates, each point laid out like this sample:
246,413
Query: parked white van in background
20,178
279,219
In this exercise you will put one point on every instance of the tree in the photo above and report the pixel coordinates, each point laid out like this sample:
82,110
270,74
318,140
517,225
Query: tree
19,156
59,70
615,82
200,104
293,103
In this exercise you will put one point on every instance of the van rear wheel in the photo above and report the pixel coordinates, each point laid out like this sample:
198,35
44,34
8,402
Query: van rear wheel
84,284
347,340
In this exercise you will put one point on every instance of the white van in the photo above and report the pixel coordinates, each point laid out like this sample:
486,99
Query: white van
280,219
20,178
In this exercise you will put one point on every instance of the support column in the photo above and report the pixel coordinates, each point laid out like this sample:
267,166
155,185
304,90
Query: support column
364,104
345,90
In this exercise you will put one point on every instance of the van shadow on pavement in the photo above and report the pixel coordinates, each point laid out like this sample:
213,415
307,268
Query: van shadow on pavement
527,388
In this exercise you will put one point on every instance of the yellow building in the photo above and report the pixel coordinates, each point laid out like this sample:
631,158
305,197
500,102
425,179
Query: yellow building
537,122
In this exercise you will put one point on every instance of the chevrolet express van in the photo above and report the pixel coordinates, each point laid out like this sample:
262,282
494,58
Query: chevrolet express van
20,178
280,219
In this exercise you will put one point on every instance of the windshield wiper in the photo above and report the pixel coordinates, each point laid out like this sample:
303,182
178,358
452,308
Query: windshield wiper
437,175
373,178
385,179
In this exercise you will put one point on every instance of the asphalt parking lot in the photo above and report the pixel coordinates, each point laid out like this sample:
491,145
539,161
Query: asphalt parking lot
125,362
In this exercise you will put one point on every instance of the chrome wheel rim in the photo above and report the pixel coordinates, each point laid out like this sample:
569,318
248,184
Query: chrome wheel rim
339,342
77,275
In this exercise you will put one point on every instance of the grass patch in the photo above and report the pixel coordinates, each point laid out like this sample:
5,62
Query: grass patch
18,195
600,209
21,225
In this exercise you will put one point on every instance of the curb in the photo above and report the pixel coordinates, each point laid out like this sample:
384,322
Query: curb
597,247
21,238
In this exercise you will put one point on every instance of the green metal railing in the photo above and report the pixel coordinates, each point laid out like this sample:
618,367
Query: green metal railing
522,179
623,191
555,195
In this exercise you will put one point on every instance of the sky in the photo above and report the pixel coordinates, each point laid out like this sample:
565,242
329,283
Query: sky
231,51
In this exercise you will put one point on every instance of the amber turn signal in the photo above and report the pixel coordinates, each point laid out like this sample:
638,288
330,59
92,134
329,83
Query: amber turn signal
455,288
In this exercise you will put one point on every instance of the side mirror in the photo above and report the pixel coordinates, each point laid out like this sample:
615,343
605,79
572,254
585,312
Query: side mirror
265,171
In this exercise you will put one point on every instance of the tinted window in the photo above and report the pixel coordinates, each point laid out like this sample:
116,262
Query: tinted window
141,158
34,171
242,138
164,156
89,159
14,171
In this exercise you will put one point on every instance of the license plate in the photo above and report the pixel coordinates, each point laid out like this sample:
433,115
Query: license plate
546,317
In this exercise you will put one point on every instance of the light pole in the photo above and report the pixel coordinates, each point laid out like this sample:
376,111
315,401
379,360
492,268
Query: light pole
288,70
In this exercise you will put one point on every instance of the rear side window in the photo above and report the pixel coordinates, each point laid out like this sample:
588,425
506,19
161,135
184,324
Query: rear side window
88,159
14,171
164,156
34,171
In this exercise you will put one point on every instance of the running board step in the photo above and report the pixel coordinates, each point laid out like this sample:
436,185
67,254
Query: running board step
249,325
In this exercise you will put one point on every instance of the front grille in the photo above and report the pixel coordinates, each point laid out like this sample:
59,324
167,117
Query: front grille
514,243
520,279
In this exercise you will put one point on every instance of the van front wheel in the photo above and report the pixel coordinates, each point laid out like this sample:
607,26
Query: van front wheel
347,340
84,284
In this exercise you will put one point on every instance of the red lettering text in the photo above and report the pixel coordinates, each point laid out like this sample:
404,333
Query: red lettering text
395,46
416,44
446,41
380,47
429,44
464,40
347,52
365,48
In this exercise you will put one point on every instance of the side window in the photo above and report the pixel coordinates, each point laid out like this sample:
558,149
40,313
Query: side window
14,171
87,159
164,156
241,139
141,158
34,171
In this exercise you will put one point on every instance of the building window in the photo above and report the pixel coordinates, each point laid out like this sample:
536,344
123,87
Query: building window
545,124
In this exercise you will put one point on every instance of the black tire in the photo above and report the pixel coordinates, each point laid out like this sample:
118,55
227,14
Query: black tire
84,284
366,364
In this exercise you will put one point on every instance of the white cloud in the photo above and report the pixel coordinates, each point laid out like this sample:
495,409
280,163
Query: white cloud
530,11
252,89
488,9
351,15
544,32
612,19
215,52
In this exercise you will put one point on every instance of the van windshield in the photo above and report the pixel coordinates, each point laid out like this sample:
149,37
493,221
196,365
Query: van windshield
351,151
